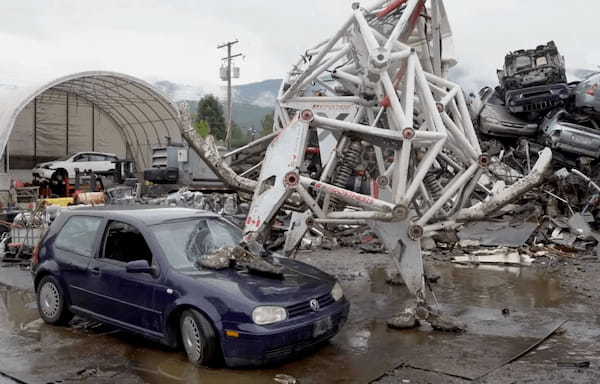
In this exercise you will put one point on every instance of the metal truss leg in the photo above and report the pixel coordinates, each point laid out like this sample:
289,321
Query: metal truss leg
402,240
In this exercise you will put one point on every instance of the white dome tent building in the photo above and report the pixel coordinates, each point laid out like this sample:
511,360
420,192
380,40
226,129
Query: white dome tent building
89,111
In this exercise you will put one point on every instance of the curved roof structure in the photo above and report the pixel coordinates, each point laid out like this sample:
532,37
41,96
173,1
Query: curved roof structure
145,116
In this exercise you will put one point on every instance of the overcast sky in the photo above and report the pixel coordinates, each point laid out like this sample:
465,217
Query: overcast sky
176,39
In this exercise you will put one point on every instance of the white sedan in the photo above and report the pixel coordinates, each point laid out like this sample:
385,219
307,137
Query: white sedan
84,161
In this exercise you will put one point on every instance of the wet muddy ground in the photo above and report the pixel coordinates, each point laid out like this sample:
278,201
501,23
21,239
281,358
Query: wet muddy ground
507,310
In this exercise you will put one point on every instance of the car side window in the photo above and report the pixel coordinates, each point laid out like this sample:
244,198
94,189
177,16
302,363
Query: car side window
124,243
97,158
79,235
82,158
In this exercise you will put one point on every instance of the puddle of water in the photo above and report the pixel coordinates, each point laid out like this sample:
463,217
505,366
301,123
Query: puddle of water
18,307
498,287
363,350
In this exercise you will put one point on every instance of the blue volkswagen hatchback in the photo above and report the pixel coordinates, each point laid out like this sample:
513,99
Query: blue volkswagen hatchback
138,269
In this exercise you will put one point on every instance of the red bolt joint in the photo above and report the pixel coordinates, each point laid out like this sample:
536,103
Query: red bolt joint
408,133
307,115
291,180
383,181
484,161
400,212
440,107
415,232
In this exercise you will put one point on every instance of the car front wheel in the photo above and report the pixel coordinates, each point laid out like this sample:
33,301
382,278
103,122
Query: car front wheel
199,338
51,302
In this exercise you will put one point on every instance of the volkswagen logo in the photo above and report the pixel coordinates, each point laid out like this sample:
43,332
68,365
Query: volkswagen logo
314,305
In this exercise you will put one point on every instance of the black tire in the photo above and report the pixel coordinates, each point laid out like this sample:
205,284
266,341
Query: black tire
58,182
59,176
199,339
51,302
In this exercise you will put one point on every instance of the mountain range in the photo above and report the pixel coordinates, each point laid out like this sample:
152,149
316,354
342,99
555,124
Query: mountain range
251,102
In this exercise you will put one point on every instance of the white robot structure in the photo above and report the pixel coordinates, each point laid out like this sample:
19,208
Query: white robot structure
374,100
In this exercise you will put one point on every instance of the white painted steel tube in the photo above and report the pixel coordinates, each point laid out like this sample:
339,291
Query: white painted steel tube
338,125
346,195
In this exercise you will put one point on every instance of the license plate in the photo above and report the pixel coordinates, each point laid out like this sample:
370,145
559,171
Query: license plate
322,326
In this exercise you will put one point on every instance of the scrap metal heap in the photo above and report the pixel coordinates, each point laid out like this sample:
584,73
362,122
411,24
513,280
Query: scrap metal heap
369,131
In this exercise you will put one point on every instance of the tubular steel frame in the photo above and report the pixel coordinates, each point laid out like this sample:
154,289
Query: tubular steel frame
381,80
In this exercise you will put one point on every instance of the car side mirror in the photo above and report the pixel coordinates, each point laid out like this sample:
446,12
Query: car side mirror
140,266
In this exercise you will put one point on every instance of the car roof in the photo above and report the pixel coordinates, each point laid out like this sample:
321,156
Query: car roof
94,153
148,215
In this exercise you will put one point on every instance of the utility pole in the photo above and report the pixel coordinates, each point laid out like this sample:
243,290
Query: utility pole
228,77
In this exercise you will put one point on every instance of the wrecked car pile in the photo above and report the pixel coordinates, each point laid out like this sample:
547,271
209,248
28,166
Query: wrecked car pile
533,108
535,103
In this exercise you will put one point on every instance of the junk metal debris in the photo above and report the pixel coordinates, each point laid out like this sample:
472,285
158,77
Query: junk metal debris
285,379
500,233
373,147
369,131
574,364
495,256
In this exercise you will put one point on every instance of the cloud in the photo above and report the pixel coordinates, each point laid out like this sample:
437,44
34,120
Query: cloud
177,39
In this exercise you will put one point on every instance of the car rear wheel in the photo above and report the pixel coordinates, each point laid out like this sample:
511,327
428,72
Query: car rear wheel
51,302
199,338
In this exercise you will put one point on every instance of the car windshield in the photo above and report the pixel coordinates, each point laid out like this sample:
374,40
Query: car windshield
185,242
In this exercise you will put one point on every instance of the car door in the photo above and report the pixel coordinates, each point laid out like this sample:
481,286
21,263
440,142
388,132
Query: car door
123,297
74,247
100,163
81,162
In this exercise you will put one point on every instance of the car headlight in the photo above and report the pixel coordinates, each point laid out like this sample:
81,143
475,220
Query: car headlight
268,315
337,292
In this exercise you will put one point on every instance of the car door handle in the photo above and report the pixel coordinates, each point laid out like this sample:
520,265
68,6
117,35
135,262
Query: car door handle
95,271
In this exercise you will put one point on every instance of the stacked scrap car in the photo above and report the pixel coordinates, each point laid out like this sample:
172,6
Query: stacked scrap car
496,120
534,80
535,101
587,95
559,131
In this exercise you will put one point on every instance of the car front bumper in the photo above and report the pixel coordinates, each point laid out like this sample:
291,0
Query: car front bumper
283,341
536,99
42,173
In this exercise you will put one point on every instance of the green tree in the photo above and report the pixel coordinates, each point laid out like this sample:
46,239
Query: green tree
267,124
210,111
202,128
238,137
